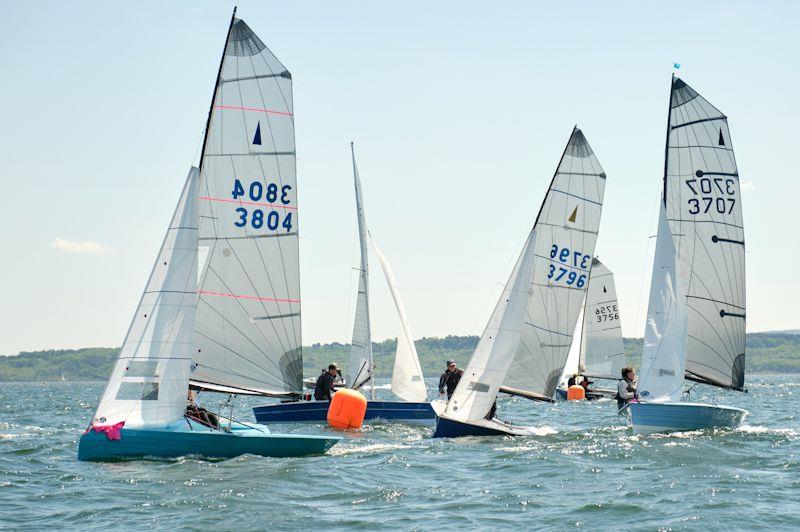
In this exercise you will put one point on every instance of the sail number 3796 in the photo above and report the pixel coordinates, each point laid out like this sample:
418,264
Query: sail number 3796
570,259
264,218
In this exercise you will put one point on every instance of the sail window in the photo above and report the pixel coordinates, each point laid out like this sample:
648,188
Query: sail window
138,391
142,368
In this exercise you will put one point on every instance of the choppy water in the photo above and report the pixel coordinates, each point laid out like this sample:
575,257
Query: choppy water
583,471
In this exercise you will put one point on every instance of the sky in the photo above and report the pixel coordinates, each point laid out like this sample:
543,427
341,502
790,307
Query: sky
459,111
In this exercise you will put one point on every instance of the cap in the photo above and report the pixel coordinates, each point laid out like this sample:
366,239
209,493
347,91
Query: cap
451,362
333,365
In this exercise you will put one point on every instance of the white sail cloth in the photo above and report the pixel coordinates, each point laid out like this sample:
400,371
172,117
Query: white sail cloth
704,208
602,354
664,353
150,379
407,380
566,230
360,365
247,332
486,371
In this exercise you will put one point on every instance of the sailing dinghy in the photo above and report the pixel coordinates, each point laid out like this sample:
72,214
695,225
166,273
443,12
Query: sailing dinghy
597,344
221,308
407,380
524,348
696,314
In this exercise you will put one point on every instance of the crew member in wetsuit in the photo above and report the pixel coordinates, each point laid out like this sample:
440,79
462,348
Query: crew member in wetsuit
324,386
626,388
449,379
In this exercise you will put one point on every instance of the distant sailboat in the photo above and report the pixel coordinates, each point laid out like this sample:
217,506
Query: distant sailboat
597,350
221,307
524,347
407,380
696,314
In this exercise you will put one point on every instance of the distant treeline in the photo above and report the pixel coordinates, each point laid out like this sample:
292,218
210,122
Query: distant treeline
766,352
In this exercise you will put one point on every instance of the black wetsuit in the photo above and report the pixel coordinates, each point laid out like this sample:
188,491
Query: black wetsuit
449,380
324,387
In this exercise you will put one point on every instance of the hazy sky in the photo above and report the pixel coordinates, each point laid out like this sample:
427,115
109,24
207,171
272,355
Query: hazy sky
459,110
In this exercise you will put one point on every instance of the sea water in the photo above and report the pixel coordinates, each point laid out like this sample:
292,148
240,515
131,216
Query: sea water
584,469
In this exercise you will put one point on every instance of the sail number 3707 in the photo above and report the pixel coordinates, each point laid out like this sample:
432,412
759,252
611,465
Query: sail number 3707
263,218
713,195
570,259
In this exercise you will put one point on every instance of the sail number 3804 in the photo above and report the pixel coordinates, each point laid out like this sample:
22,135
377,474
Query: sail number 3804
256,218
570,259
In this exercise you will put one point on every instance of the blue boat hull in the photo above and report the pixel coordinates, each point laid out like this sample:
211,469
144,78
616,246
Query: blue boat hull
180,439
317,412
648,418
447,428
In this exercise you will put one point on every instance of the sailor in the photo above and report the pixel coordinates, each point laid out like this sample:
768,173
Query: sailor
449,379
626,388
199,414
585,383
571,380
324,386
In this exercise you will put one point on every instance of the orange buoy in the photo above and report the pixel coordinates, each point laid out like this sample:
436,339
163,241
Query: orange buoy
347,409
574,393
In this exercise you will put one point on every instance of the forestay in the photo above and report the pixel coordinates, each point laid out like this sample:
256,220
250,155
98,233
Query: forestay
247,333
360,366
704,207
602,354
407,380
150,380
566,229
663,355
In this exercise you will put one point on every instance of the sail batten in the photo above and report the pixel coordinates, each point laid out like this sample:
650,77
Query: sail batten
248,325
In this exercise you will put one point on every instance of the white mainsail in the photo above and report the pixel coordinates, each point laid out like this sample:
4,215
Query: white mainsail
704,208
360,365
247,331
602,354
664,352
566,229
524,347
407,380
150,380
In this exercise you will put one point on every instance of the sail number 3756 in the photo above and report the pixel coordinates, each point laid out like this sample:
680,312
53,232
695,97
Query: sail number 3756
570,259
264,218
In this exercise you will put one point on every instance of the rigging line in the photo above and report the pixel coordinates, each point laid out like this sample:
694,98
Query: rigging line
281,180
225,347
281,347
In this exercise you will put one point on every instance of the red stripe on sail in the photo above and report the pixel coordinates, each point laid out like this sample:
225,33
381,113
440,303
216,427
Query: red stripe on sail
226,200
254,298
256,109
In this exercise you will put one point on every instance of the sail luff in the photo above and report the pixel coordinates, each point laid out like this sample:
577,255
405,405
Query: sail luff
602,350
360,364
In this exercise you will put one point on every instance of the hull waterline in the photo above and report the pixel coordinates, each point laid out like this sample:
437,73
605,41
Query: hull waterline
648,418
189,438
418,413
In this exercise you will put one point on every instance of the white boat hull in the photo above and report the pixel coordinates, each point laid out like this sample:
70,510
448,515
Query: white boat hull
648,418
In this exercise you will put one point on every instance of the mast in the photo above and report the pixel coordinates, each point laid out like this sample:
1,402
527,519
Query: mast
666,141
216,86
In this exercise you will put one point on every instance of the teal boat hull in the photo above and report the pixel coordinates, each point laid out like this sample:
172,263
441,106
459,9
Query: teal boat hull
189,438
